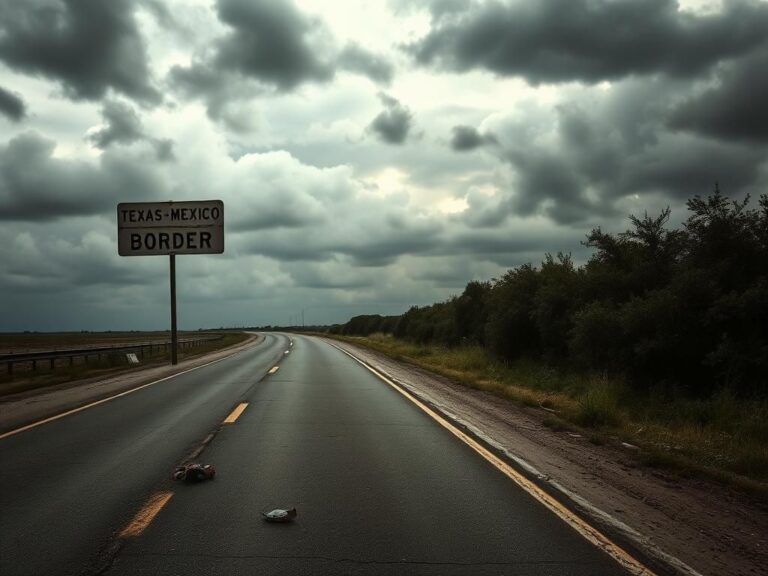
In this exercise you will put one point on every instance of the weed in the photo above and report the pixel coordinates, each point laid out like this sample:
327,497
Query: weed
599,405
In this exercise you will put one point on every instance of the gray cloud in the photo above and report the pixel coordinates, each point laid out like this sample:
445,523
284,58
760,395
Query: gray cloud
545,180
603,150
35,186
269,46
365,235
393,124
735,109
679,167
89,46
355,58
271,42
467,138
384,244
123,126
11,105
590,40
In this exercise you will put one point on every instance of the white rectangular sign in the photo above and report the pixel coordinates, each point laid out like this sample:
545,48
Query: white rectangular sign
162,228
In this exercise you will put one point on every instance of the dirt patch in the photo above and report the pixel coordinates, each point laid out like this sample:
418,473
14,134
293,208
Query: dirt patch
709,528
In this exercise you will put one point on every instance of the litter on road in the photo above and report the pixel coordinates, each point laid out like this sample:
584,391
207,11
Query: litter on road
194,472
280,515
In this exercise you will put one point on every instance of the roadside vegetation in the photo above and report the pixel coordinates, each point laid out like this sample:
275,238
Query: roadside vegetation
660,339
24,378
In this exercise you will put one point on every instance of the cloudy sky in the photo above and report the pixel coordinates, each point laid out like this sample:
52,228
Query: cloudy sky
371,154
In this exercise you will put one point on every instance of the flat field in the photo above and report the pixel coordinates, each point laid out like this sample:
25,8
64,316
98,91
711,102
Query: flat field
19,342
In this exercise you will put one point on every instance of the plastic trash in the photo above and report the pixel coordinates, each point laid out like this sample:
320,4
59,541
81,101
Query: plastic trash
280,515
194,472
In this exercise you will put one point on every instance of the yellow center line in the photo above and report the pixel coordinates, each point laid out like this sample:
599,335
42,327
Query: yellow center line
236,413
590,533
274,369
146,515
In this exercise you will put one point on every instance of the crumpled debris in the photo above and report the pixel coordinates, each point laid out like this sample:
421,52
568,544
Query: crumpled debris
194,472
280,515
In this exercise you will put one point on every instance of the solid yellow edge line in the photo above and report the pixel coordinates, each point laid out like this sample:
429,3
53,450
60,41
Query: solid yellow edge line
236,413
592,534
145,516
103,400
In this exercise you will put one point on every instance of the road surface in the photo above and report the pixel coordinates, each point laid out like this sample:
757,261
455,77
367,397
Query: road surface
380,487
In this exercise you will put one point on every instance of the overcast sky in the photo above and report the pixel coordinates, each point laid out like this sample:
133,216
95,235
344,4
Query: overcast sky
371,154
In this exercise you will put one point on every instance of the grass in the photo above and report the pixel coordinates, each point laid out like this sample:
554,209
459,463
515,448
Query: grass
722,437
109,365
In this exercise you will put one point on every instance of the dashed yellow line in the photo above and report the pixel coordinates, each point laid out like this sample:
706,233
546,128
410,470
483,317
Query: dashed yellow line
590,533
145,516
236,413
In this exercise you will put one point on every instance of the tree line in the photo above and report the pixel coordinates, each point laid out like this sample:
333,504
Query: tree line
683,309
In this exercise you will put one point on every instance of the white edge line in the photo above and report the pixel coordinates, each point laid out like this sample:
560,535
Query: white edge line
628,532
107,399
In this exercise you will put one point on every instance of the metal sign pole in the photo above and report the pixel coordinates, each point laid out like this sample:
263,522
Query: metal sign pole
174,339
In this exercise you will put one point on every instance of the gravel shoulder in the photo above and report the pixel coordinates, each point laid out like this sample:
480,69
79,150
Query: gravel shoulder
695,526
17,410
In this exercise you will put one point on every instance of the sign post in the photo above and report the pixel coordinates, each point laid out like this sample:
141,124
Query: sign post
174,338
170,228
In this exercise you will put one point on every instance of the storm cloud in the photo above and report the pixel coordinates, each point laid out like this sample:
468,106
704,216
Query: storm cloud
589,40
735,108
11,105
392,124
370,156
355,58
36,186
122,125
272,42
89,46
467,138
268,47
598,150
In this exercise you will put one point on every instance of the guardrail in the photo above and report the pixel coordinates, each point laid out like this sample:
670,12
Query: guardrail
51,356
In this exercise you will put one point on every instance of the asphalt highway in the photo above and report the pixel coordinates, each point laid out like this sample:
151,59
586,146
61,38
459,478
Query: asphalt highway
380,488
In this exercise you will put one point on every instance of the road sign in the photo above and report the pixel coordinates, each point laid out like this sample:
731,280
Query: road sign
163,228
168,229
